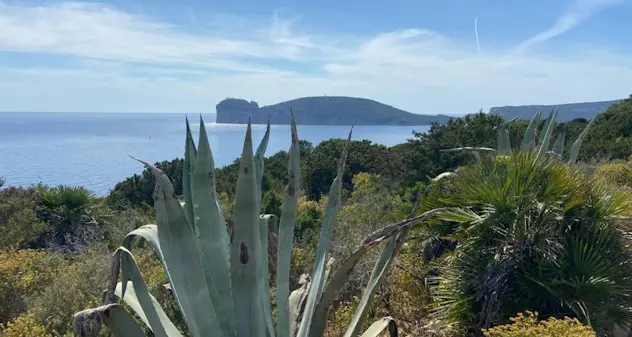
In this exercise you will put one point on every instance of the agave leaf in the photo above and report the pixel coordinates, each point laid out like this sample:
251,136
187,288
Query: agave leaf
132,300
182,260
503,140
578,143
87,323
259,156
246,247
547,131
212,234
528,142
331,290
379,326
297,302
147,232
265,222
329,222
286,236
477,156
379,270
150,234
190,155
558,148
393,229
475,151
470,148
131,272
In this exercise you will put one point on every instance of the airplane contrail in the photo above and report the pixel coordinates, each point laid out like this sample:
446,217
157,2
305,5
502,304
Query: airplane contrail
478,45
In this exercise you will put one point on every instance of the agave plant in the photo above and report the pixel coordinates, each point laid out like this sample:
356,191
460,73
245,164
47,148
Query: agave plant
529,143
220,280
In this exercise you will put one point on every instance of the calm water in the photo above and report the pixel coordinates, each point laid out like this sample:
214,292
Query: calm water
92,149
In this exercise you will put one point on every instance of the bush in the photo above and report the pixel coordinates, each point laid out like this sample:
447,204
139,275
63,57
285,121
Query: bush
529,326
23,274
372,206
78,285
117,227
19,223
532,235
24,326
309,219
617,173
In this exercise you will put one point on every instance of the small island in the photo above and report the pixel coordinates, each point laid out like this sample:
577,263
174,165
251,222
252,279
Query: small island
324,110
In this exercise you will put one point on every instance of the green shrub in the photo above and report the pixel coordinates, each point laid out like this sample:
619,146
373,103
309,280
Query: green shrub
24,273
77,285
24,326
529,326
371,205
115,228
19,223
617,173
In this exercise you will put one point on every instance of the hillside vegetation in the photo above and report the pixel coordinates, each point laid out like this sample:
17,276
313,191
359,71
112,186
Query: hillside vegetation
518,232
325,110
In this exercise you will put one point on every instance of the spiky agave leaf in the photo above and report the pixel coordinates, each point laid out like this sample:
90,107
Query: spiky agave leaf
212,235
381,325
379,270
246,247
547,131
475,151
138,296
133,301
265,223
190,155
88,323
558,147
528,142
341,274
179,245
286,236
578,143
264,234
329,221
503,141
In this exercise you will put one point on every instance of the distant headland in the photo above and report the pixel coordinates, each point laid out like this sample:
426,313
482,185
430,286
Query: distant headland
342,110
565,112
324,110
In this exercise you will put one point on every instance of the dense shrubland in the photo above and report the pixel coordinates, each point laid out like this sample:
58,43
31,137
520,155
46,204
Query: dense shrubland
523,235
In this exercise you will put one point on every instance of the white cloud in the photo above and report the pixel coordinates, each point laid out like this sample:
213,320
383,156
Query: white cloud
132,62
581,11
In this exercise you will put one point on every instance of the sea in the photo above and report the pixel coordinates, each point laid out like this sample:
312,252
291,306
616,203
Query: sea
93,149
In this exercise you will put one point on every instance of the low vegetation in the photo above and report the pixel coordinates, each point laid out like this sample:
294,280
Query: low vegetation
522,234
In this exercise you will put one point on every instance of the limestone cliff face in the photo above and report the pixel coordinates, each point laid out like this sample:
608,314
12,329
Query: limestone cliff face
236,111
324,110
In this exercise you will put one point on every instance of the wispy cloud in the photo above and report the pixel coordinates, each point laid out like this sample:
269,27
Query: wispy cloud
102,32
478,44
581,11
127,61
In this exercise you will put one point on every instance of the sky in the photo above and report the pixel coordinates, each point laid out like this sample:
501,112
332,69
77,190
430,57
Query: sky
422,56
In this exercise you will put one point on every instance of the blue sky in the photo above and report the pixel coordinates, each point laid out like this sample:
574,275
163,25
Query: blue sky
419,55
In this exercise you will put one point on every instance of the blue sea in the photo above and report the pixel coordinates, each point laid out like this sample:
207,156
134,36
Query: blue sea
92,150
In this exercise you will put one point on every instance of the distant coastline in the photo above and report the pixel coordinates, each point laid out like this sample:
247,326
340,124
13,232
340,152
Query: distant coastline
324,110
566,111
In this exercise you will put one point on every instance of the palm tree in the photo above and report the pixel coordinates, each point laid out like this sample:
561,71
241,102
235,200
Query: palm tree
68,209
529,232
